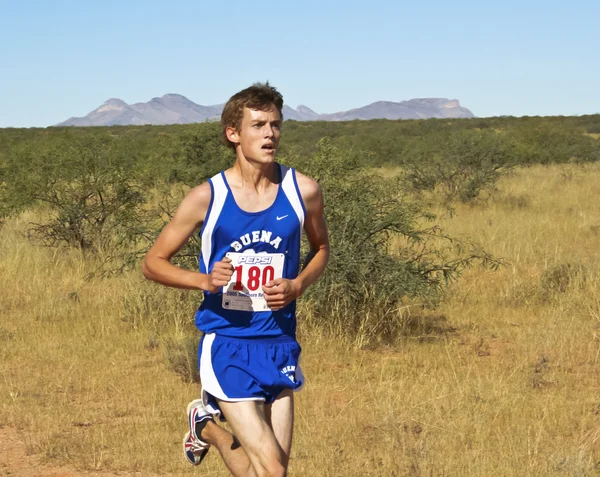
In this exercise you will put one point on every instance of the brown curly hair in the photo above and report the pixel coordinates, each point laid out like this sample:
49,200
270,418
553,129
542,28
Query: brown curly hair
260,96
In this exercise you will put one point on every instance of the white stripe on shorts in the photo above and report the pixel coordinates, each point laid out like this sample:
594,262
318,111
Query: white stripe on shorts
209,380
210,383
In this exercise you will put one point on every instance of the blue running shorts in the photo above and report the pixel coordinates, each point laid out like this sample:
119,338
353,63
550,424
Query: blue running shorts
237,369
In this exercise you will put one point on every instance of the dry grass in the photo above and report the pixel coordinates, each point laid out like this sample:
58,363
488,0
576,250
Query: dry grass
503,379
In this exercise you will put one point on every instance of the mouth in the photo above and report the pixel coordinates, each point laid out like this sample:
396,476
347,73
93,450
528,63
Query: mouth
269,147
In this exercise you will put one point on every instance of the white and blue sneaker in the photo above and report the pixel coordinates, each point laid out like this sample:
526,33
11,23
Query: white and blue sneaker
194,448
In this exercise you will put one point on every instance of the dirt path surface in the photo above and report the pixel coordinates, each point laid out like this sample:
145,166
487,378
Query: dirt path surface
15,462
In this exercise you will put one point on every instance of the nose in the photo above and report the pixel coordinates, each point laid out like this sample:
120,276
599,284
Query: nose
268,130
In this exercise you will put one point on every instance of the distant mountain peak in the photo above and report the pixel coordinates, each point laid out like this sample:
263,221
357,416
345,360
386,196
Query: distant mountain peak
174,96
115,101
173,108
113,104
305,109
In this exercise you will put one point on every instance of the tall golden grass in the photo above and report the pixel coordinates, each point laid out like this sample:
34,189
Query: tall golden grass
502,379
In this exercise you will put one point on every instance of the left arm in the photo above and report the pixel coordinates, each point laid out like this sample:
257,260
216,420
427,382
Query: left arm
281,291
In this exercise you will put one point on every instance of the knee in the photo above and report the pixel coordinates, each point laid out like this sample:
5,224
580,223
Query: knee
274,468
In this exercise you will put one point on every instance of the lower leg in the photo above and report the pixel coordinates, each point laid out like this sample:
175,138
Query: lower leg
231,451
261,449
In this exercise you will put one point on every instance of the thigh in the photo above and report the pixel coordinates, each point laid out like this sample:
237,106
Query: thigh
250,426
280,416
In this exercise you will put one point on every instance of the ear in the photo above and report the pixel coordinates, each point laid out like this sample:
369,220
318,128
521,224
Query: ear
232,135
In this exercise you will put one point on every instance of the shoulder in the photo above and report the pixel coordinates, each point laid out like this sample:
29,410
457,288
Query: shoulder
195,204
311,194
309,188
200,195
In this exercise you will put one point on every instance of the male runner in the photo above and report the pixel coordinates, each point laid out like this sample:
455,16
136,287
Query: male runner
251,217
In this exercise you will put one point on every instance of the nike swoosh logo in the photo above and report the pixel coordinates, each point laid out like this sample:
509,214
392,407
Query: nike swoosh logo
282,217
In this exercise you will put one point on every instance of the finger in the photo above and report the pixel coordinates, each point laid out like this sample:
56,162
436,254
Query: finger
268,291
223,266
221,277
274,290
275,298
276,286
275,282
221,280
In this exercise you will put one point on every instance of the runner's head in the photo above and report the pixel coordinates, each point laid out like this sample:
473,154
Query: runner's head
258,97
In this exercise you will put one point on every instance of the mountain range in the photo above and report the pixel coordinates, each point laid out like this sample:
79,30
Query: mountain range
177,109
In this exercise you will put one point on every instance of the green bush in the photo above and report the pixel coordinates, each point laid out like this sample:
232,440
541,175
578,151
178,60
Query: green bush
86,187
461,165
385,248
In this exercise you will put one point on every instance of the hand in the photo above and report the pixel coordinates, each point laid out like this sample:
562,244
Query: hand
219,275
280,292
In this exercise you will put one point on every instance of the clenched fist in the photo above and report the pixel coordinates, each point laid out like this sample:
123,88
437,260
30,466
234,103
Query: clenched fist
220,275
280,292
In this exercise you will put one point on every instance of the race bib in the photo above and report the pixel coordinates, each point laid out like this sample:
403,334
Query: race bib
250,273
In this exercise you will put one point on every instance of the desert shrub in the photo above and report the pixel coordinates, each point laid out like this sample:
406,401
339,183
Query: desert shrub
460,165
593,129
385,247
86,186
551,143
562,277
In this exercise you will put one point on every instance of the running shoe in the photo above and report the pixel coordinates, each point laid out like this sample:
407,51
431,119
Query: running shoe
194,448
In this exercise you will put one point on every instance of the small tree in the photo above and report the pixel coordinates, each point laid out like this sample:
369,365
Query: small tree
461,164
86,187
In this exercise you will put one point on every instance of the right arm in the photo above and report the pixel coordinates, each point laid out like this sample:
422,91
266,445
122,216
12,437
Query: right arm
188,218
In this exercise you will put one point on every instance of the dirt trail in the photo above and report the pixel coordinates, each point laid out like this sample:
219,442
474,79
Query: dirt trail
15,462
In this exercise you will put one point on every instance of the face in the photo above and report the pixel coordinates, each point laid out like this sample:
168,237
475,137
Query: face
259,134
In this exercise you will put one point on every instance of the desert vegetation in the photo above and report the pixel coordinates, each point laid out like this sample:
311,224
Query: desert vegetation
456,331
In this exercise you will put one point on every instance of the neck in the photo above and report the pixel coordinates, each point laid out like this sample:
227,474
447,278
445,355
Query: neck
260,176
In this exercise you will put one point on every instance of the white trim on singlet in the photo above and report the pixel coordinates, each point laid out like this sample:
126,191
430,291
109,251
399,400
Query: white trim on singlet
219,190
289,188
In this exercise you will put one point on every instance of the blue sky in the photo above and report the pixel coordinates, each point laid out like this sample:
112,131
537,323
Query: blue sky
64,58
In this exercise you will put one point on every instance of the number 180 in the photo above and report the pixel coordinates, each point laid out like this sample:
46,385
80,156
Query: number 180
255,279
